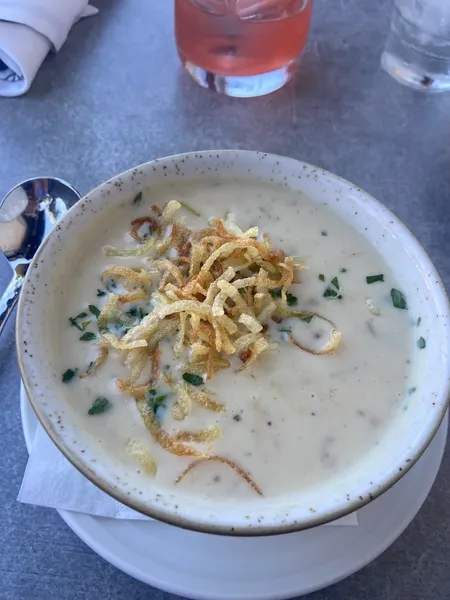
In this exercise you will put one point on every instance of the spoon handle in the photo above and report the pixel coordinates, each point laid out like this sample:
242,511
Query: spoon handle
9,299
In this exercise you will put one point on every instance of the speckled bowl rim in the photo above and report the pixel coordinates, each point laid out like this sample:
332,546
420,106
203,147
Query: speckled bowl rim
165,516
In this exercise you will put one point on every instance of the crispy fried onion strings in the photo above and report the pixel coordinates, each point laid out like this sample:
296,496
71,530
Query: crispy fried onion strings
335,336
214,293
164,439
225,461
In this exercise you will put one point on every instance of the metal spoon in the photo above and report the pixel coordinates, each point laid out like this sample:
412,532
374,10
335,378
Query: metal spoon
27,214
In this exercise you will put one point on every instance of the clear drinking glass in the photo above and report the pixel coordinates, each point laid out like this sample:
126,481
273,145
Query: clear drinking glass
242,47
417,51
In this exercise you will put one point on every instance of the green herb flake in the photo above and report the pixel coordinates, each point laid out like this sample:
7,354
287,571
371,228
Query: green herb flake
307,318
330,293
190,209
291,299
275,293
85,324
286,330
88,336
136,312
419,320
335,282
155,400
68,375
421,343
137,199
94,310
100,405
374,278
343,270
193,379
101,293
89,369
398,299
411,390
73,322
322,277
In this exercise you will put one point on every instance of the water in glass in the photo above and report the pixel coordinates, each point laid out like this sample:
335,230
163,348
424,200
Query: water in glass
417,51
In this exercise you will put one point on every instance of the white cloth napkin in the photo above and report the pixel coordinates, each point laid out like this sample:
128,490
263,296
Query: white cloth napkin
28,30
51,481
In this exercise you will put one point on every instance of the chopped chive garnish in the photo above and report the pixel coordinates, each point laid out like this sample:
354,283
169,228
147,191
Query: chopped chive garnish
190,209
99,406
419,320
343,270
73,320
84,325
89,369
330,293
411,390
88,336
101,293
398,299
306,318
421,343
322,277
136,312
335,282
74,323
68,375
193,379
137,199
287,330
155,400
160,399
291,300
374,278
94,310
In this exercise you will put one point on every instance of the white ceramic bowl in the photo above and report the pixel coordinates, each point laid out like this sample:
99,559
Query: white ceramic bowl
403,443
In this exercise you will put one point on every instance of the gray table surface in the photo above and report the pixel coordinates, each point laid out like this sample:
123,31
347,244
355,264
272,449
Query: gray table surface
115,96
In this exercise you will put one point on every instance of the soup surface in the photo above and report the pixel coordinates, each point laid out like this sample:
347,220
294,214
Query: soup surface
294,417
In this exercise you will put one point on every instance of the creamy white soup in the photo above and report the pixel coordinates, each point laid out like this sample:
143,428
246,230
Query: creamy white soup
310,390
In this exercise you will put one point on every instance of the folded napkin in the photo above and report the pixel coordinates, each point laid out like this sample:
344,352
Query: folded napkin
51,480
28,30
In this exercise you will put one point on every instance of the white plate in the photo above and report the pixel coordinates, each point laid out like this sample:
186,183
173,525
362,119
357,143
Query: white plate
201,566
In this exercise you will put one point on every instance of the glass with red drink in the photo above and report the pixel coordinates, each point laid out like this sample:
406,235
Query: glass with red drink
242,47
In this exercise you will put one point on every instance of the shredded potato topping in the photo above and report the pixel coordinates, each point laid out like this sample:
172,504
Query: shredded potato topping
214,292
139,453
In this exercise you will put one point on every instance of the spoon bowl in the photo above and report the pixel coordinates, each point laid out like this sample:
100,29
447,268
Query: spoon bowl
27,215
